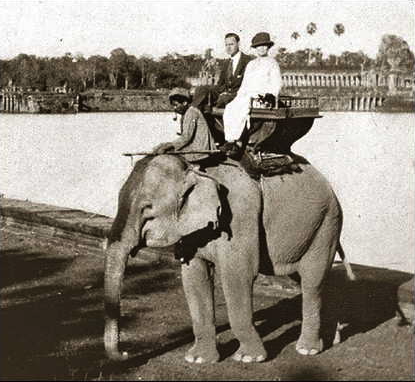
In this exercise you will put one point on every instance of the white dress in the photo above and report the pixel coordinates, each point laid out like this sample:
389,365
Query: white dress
262,75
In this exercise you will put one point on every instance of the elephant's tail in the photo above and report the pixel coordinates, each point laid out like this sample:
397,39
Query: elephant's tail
346,263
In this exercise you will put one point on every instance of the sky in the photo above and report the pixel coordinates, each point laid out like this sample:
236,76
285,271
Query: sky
52,28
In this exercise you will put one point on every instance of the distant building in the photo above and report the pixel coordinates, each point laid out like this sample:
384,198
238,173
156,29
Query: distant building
392,81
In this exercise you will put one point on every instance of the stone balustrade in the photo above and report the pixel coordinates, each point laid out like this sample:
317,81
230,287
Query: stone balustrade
348,90
11,103
361,102
392,80
37,102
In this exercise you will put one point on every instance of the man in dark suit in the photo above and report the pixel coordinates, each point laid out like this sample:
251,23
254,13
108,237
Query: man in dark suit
230,77
232,72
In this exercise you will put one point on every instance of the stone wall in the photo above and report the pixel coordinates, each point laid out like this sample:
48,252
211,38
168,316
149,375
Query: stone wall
124,101
38,102
56,223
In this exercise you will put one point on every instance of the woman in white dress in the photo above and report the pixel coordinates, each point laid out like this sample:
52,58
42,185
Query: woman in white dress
262,76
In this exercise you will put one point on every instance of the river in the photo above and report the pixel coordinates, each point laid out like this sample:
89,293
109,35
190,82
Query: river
369,158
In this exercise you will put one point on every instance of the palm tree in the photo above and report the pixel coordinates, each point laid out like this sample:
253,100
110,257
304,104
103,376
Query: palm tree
317,55
311,29
282,56
338,30
295,35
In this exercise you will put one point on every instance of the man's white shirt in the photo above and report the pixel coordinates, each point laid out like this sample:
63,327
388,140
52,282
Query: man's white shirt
235,61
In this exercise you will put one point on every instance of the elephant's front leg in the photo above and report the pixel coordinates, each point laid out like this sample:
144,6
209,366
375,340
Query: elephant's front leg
237,284
198,287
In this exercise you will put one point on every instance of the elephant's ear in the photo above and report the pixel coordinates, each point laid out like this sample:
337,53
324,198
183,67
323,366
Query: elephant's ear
199,203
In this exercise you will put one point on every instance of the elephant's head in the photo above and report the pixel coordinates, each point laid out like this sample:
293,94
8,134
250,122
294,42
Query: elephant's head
175,200
170,201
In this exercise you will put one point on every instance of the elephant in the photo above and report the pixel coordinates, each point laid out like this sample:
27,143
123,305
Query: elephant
220,218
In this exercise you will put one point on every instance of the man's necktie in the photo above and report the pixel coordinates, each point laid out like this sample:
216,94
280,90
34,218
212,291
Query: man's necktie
230,68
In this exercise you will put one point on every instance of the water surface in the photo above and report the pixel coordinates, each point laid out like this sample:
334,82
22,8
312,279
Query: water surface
75,161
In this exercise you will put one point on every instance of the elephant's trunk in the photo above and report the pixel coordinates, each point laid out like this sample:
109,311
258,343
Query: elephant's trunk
115,263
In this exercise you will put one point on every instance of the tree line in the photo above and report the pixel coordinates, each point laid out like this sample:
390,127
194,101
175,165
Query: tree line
119,70
125,71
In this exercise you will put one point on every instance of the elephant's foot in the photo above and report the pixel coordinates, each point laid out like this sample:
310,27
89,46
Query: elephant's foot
202,353
304,347
250,354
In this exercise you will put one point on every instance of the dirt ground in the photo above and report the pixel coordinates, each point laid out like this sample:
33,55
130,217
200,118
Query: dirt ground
51,315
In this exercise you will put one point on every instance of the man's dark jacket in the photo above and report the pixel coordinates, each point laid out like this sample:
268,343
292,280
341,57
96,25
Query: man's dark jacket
231,82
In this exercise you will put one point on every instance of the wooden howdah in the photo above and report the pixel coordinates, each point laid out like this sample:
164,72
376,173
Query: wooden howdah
276,129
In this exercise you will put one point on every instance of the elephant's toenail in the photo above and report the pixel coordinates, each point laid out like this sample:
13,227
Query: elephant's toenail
237,357
260,358
199,360
302,351
247,359
313,352
189,358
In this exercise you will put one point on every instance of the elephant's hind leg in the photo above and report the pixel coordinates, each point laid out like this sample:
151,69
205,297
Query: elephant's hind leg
314,267
310,342
198,288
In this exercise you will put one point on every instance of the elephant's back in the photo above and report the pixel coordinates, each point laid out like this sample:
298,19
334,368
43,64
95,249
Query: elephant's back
294,207
307,181
242,191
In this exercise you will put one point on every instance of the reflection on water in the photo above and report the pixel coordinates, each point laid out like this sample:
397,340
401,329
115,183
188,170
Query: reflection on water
75,161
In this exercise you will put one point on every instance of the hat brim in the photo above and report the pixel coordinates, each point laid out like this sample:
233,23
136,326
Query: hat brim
179,98
268,44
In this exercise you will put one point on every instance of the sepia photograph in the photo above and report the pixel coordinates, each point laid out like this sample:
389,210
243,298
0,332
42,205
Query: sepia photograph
207,190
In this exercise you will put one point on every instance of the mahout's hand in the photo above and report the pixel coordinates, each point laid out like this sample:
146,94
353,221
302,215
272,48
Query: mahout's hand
232,149
163,148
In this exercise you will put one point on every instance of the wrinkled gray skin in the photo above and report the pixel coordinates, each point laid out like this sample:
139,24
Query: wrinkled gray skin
226,215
